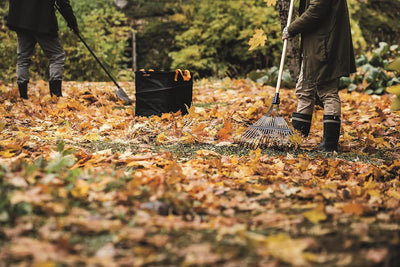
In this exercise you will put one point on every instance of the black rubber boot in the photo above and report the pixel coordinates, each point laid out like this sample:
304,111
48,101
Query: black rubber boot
331,134
55,88
23,90
302,123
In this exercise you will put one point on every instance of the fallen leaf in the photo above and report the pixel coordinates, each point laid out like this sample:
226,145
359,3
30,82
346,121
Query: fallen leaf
377,255
354,208
315,215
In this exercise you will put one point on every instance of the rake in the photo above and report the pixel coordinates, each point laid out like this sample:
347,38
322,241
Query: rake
271,129
121,94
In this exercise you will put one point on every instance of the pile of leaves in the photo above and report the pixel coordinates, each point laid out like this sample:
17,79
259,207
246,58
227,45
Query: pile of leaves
83,182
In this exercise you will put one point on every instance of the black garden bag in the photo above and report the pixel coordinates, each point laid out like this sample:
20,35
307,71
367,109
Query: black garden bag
160,92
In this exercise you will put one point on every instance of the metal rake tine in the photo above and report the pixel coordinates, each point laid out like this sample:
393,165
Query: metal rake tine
250,137
260,121
253,134
283,139
266,137
267,131
247,134
261,139
251,142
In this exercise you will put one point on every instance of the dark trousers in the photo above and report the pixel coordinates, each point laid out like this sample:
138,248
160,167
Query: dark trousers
51,47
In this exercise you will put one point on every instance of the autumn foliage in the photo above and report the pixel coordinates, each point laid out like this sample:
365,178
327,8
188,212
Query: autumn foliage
83,182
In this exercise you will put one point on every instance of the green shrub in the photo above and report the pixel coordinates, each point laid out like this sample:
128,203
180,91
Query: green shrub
270,77
373,75
106,32
215,41
8,48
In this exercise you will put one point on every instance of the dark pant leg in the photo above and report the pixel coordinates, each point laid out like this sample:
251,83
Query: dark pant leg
26,45
53,50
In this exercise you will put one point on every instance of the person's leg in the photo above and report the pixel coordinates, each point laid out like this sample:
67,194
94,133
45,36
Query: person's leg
25,49
329,94
52,48
301,120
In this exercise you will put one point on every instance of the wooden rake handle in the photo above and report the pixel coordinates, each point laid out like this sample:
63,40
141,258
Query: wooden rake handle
276,99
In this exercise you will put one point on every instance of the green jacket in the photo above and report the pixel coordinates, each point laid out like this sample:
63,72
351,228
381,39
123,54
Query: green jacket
327,45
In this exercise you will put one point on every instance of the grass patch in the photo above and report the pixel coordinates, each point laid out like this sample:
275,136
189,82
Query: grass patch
96,146
210,105
187,151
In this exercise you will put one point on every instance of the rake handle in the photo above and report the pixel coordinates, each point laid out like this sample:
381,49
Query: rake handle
276,99
91,52
120,92
97,59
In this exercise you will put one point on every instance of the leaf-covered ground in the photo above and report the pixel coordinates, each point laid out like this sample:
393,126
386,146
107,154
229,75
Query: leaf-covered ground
83,182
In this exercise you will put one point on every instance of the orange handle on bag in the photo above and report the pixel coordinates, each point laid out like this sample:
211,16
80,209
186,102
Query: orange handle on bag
185,75
146,74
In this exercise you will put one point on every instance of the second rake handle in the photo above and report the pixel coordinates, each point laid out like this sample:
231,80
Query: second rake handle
289,20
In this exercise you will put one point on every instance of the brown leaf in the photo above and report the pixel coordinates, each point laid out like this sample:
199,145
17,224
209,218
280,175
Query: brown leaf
225,133
354,208
199,254
377,255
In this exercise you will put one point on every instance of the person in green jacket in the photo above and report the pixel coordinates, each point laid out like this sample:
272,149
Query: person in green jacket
327,55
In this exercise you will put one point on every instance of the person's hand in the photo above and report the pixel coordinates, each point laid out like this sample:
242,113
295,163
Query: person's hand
285,34
76,30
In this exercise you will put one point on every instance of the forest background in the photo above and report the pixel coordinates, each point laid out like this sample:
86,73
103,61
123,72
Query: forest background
210,38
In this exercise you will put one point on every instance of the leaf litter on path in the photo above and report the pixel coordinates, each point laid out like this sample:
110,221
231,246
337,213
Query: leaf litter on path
86,181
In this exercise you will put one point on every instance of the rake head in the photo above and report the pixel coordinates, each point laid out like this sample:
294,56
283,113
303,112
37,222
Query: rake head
271,130
123,96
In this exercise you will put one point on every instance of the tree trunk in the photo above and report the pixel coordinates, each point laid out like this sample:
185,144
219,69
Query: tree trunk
293,47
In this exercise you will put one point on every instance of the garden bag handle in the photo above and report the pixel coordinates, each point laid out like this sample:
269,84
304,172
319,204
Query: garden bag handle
185,75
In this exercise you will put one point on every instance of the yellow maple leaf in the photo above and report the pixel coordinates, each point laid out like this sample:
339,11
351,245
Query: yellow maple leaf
198,129
91,137
188,138
295,139
162,139
315,215
207,154
80,189
395,104
258,39
2,125
270,2
167,117
226,132
281,246
395,89
395,65
192,112
7,154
